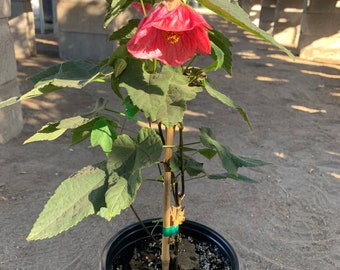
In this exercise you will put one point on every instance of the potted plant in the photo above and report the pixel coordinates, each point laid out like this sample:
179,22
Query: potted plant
152,72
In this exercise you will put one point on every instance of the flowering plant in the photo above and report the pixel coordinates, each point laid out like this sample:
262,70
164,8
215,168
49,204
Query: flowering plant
152,73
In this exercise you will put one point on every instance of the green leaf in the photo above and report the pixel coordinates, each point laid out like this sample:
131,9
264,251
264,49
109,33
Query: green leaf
161,96
52,131
220,51
119,66
119,195
71,74
130,109
207,153
114,7
237,177
77,197
82,132
126,31
191,166
8,102
125,162
231,11
225,100
103,134
208,140
81,125
218,55
129,155
247,162
120,52
49,132
230,162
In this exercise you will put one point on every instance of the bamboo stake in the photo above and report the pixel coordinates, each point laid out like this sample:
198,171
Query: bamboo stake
166,198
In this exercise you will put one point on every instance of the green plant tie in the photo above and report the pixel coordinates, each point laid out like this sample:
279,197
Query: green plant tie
172,230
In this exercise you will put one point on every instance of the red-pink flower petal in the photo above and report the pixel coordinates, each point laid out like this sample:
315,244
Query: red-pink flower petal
172,37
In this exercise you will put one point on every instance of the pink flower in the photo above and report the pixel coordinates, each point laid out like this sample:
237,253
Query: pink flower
171,36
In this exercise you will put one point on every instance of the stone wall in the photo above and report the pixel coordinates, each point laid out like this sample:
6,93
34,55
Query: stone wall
11,121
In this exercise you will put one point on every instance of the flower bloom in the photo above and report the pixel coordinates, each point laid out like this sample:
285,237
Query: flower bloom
171,36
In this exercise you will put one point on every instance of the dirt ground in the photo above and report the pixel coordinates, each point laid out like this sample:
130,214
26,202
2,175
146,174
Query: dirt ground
290,220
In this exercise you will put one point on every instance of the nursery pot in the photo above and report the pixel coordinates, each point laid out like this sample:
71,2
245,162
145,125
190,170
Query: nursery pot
121,246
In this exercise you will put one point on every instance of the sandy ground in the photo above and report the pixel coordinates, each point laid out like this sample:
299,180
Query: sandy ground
290,220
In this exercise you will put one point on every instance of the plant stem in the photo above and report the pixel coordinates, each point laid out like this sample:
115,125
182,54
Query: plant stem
143,7
182,159
166,199
142,224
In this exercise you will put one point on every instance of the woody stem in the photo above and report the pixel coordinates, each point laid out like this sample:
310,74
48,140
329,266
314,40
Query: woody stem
166,198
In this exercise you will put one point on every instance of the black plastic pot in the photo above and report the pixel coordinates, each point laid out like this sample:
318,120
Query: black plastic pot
123,242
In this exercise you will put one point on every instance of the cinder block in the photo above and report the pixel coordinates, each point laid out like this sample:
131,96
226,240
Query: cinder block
323,6
82,16
267,15
5,9
81,29
22,28
321,24
287,19
11,121
86,46
8,68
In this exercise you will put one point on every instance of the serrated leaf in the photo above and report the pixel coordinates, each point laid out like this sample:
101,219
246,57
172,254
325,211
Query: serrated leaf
208,140
103,134
126,160
82,132
119,195
220,50
191,166
113,8
77,197
231,11
237,177
207,153
52,131
48,132
218,55
247,162
71,74
126,30
9,102
225,100
161,96
135,154
230,162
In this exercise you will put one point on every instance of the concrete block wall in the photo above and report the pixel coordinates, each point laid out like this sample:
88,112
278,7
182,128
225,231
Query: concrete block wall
267,15
253,8
22,28
81,29
311,28
320,31
11,121
287,22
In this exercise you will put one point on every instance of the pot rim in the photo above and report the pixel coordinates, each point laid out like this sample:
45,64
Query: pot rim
195,228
